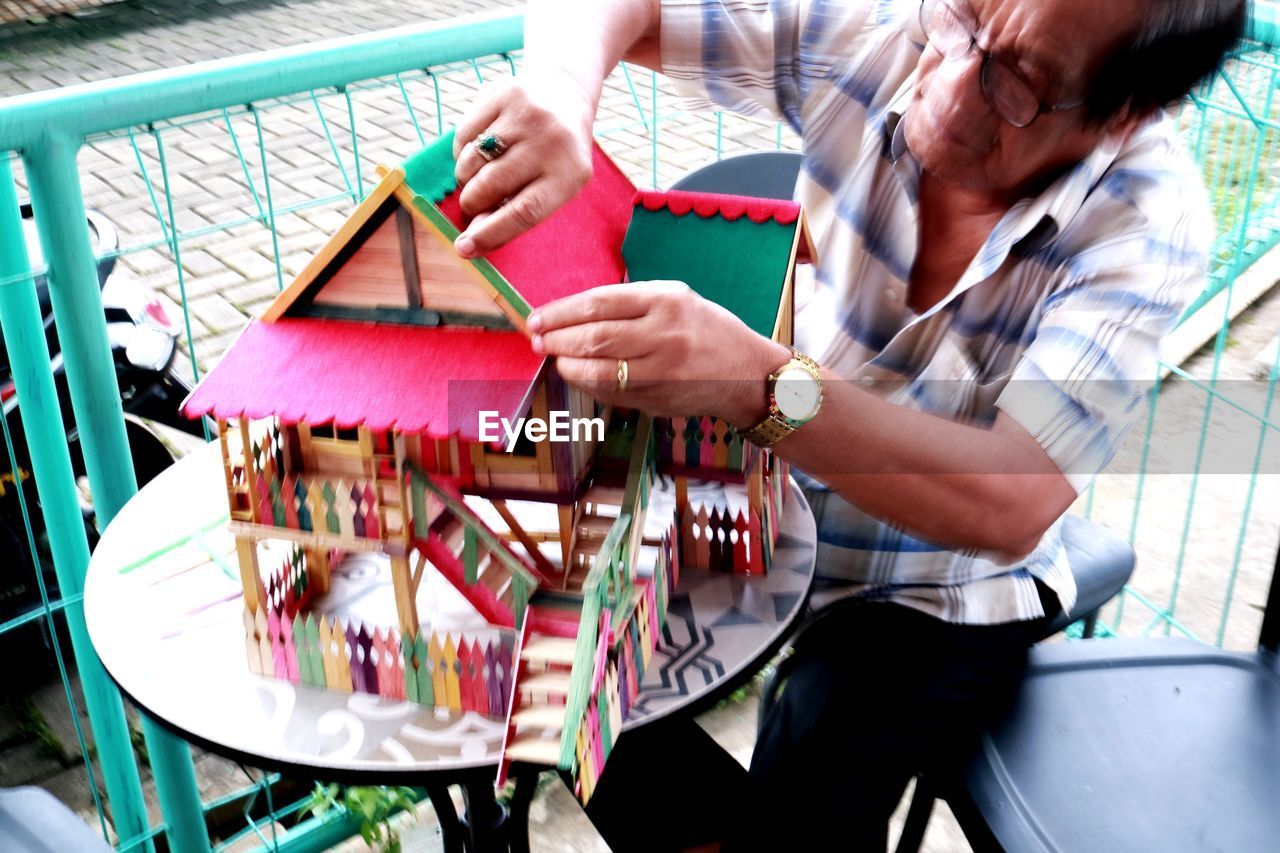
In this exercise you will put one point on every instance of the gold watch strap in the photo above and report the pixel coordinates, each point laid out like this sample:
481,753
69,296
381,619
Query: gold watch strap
769,431
812,365
775,426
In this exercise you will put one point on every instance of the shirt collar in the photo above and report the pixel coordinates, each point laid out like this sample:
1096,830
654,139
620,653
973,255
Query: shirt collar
1029,225
900,157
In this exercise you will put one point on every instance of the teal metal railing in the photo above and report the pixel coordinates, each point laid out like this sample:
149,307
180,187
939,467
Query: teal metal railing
48,130
432,70
1207,487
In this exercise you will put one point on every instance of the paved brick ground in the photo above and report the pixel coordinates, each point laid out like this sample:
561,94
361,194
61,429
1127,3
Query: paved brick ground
37,11
136,35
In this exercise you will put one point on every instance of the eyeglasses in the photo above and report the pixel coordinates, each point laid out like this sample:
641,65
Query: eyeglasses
952,30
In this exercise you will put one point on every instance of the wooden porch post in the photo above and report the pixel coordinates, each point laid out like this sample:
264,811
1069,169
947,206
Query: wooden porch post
318,568
566,535
250,579
406,606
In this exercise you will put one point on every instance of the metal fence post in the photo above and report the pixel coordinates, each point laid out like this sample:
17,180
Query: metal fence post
58,205
55,482
59,211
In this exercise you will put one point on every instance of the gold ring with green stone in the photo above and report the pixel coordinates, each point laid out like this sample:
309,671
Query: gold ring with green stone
490,145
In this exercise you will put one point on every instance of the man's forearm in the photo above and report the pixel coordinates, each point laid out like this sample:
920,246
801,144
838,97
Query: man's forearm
586,39
954,485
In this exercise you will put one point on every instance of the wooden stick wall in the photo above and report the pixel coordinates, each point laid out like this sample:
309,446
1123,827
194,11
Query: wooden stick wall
434,669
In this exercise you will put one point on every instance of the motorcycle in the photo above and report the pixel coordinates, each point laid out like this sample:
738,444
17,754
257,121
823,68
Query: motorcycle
144,342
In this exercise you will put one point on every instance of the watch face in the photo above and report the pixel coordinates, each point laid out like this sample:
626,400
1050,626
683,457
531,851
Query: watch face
797,393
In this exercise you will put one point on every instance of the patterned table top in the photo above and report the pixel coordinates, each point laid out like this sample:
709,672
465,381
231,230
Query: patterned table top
162,601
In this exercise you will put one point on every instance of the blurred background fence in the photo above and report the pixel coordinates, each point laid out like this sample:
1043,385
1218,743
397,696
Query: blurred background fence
220,180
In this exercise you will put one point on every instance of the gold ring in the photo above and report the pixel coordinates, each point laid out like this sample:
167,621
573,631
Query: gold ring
622,374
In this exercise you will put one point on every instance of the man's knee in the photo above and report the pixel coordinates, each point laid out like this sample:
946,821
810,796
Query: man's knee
830,701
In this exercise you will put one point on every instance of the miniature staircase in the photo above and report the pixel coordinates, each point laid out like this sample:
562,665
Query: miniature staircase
495,578
590,527
544,661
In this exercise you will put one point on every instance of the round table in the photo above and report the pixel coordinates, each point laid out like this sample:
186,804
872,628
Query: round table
164,609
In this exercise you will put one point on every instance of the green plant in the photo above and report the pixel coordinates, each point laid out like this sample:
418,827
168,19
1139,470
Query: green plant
34,727
139,742
373,806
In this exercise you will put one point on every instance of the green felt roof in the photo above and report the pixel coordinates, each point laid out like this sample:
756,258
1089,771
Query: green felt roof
740,265
429,173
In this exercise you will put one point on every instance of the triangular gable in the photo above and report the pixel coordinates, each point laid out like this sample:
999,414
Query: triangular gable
390,263
735,251
341,241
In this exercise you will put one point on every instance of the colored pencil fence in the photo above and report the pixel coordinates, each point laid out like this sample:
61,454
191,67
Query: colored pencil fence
701,443
437,670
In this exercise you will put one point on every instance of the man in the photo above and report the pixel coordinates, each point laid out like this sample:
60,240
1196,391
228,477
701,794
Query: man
1006,229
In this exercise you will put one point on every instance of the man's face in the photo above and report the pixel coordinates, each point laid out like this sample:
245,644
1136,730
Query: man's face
1056,46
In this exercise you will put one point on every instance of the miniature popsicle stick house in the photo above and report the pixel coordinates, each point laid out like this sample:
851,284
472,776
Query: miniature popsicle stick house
349,420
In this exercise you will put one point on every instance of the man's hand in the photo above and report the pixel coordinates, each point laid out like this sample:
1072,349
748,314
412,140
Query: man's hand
546,125
685,355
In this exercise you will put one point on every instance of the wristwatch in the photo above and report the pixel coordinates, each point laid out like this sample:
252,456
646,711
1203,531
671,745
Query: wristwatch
795,395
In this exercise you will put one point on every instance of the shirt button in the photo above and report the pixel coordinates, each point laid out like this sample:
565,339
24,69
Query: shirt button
890,293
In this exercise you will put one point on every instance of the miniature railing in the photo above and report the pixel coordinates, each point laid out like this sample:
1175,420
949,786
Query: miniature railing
601,721
641,473
597,603
720,540
776,486
666,570
594,709
342,654
288,588
317,505
625,643
264,492
523,580
701,443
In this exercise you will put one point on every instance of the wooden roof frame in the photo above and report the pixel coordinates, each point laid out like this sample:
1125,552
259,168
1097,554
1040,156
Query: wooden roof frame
392,186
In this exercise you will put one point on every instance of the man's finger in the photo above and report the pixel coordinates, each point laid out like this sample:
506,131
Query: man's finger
597,376
472,163
526,209
477,119
502,179
599,304
610,339
468,159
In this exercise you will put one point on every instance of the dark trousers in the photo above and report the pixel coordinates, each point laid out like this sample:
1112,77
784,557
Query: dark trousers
878,693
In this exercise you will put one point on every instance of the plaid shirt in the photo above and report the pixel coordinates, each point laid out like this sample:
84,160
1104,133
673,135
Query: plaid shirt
1056,322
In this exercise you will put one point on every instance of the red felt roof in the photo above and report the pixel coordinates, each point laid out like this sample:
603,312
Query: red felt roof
730,207
578,247
406,378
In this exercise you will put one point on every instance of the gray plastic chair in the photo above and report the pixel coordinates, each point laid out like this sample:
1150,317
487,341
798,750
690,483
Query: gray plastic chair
766,174
34,821
1136,745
